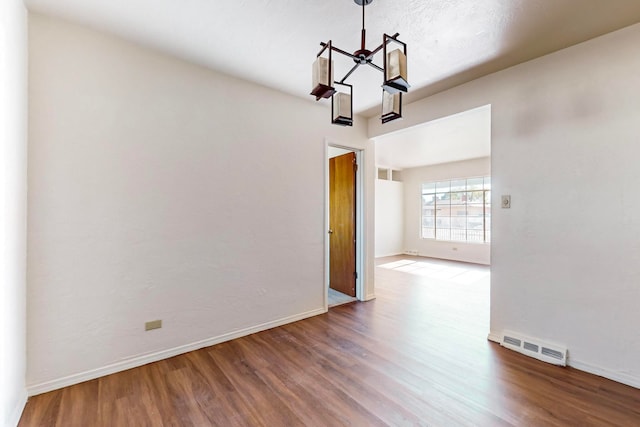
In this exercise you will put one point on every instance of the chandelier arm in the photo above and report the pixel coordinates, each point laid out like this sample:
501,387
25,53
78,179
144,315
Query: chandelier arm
375,66
324,47
376,50
335,49
355,67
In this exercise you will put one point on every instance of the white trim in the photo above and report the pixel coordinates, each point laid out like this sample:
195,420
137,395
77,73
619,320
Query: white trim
369,297
494,337
137,361
605,373
360,265
14,418
586,367
325,285
392,254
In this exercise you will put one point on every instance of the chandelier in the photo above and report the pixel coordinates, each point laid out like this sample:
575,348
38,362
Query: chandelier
394,71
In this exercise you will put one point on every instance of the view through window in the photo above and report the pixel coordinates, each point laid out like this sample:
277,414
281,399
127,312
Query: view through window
457,210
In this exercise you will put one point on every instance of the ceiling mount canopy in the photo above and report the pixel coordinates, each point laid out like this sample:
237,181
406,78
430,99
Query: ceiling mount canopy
394,71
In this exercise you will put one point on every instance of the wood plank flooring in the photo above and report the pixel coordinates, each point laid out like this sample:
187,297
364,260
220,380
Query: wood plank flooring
415,356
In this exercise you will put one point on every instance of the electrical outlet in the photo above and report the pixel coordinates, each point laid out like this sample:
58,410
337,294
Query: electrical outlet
154,324
506,202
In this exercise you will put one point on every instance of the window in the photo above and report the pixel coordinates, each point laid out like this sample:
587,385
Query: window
457,210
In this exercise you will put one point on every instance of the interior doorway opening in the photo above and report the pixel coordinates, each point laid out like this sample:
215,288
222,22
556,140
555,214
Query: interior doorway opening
344,219
433,203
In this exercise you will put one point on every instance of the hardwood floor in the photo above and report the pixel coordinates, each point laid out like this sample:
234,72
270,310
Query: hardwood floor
417,355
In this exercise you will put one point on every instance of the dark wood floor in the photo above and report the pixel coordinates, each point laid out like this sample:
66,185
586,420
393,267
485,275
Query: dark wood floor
417,355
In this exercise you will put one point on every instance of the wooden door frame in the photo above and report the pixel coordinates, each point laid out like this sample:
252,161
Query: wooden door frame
360,230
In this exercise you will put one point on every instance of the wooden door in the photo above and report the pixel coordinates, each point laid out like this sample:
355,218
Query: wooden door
342,223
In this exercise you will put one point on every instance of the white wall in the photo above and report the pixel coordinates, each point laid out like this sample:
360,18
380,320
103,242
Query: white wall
161,190
565,146
478,253
389,217
13,213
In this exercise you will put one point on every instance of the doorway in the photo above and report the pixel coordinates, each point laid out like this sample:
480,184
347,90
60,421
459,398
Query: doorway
424,227
343,226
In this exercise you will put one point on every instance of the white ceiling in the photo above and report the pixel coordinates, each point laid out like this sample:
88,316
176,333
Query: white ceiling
274,42
463,136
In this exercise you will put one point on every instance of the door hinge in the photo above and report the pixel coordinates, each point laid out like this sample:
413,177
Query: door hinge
355,274
355,167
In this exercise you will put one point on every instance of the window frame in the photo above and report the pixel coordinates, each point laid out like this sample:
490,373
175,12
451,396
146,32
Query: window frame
450,190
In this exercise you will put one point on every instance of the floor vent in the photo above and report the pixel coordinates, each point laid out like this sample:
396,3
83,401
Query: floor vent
534,348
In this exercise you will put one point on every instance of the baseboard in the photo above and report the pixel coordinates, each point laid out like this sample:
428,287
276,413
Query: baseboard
369,297
494,337
135,362
14,418
605,373
586,367
391,254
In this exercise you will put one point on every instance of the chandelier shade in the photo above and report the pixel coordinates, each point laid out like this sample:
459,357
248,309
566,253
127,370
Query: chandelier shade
342,107
395,67
394,72
391,106
322,76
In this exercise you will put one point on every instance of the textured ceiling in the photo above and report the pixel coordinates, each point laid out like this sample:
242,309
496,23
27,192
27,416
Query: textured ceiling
274,42
463,136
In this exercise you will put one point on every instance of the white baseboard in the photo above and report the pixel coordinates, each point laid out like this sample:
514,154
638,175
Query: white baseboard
390,254
494,337
14,417
134,362
369,297
606,373
586,367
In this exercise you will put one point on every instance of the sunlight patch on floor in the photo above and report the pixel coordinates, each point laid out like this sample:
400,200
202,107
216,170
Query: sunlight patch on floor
459,273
